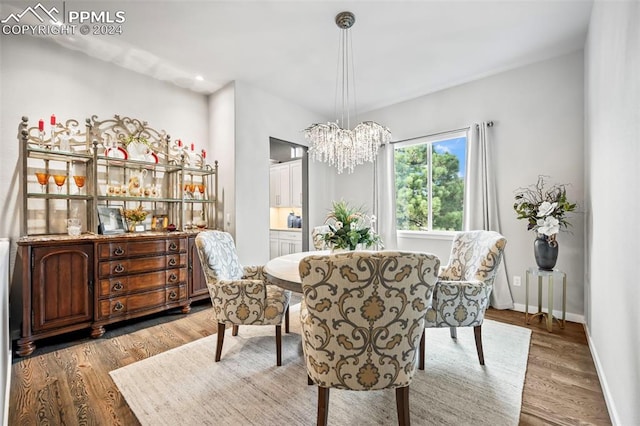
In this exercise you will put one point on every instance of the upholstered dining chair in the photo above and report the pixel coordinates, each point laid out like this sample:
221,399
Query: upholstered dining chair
362,315
461,295
239,295
317,236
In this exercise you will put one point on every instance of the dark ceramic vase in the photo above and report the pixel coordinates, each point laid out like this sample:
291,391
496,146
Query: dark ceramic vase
546,253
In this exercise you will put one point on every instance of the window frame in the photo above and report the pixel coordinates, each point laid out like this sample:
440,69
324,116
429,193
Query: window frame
430,140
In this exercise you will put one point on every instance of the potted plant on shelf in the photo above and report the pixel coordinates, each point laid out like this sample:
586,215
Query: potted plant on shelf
545,210
134,217
350,228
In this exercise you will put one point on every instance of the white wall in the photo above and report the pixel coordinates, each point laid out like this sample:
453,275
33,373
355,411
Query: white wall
39,78
612,183
260,115
222,137
539,118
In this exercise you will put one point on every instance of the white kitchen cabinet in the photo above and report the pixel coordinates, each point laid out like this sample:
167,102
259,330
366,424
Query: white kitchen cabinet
285,184
295,181
279,185
274,244
284,242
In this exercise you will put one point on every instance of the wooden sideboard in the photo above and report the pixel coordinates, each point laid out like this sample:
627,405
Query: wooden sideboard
73,283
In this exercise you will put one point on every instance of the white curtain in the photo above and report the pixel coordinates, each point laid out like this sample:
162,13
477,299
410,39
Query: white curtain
384,197
481,204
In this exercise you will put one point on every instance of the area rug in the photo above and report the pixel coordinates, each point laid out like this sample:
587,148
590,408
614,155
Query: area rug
185,386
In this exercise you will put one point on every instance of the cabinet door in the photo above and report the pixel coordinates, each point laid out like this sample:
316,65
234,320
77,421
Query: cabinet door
274,248
197,281
284,247
296,246
295,179
289,246
279,191
285,199
62,287
274,187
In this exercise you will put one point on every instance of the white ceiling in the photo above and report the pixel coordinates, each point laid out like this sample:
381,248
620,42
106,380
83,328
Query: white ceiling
401,49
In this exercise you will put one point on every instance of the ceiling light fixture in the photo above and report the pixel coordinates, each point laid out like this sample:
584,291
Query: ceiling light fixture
335,143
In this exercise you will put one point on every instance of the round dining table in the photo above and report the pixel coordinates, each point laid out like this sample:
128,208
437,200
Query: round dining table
283,271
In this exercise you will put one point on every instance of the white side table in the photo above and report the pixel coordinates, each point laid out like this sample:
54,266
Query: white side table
549,275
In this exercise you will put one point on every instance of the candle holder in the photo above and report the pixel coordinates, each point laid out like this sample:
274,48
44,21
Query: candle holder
53,138
41,139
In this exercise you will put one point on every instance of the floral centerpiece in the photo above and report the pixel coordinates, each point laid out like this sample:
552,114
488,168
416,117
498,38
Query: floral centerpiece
544,208
135,216
350,227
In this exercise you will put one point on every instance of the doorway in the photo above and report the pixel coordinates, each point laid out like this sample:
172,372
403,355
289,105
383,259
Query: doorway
288,193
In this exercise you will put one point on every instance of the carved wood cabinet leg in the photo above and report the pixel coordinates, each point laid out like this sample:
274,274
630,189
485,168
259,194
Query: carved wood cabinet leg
97,331
25,347
186,309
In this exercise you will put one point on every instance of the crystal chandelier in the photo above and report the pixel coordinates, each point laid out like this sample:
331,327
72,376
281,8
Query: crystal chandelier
335,143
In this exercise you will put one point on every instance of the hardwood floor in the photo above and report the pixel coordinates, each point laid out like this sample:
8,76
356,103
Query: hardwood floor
67,382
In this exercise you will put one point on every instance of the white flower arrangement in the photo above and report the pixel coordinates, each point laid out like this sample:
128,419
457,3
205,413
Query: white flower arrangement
544,208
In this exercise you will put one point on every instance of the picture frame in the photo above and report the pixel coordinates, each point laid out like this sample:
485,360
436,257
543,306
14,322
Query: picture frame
159,222
111,220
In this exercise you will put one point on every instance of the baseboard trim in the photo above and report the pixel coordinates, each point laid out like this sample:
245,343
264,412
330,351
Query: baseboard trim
608,399
556,313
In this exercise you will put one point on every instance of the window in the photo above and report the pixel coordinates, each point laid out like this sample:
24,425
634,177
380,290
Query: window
429,177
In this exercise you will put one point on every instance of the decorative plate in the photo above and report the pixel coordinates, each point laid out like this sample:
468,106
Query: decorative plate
117,152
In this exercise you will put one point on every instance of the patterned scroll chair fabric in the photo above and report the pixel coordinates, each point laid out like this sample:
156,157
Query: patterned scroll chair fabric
461,296
317,236
239,295
362,315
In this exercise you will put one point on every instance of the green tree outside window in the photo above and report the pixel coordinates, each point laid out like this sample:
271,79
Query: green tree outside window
442,162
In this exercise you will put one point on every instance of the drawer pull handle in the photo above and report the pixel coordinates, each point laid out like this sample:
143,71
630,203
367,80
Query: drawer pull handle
173,246
119,251
172,262
173,277
118,307
173,294
118,286
119,268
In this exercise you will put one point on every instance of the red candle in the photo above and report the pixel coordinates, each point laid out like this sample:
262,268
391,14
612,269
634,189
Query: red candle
204,154
53,119
41,125
193,147
179,142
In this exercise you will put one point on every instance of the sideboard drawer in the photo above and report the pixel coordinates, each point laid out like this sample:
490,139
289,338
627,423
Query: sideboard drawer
175,294
131,266
176,245
124,305
176,260
127,284
175,276
117,250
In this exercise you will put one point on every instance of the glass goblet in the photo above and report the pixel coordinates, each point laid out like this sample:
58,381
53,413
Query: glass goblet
201,190
43,179
79,180
59,180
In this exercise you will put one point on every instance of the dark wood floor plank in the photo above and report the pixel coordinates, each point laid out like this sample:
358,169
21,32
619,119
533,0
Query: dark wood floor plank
68,381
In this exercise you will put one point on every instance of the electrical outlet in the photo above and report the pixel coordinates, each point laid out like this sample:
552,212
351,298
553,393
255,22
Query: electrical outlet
517,281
